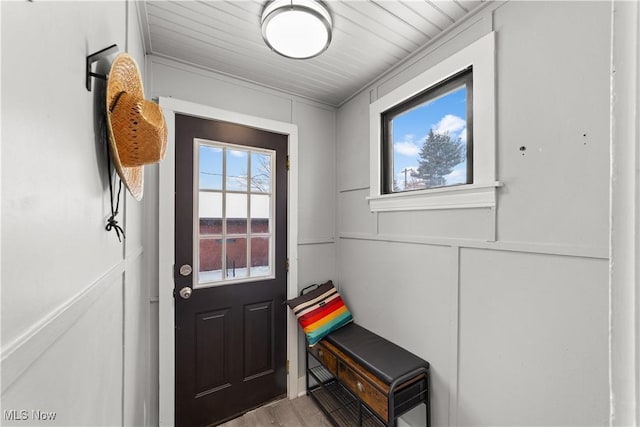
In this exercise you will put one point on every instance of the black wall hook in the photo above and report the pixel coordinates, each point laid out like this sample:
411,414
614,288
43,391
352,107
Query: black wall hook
95,57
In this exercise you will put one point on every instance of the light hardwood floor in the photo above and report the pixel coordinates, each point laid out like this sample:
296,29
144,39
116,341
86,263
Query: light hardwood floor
300,412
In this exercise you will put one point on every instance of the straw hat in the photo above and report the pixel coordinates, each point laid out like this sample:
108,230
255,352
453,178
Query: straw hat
137,131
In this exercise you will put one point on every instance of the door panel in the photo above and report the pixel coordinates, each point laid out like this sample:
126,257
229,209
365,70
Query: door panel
231,333
258,340
212,351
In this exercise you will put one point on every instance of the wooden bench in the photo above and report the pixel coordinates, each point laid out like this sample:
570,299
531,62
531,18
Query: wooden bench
360,378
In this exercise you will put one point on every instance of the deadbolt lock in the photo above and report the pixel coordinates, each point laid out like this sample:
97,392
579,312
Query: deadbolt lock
185,270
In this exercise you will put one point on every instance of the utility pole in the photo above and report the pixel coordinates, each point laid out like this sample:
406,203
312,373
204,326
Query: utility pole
405,171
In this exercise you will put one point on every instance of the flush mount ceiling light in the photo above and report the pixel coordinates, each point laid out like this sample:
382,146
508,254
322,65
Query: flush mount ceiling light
298,29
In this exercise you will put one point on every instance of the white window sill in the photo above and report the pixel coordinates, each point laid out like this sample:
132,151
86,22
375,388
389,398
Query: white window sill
454,197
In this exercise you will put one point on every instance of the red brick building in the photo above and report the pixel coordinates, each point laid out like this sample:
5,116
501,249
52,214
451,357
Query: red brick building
211,243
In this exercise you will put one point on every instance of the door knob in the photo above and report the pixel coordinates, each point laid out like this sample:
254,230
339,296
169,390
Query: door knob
185,292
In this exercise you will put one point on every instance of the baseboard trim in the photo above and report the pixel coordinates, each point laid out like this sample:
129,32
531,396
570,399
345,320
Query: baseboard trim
302,386
22,352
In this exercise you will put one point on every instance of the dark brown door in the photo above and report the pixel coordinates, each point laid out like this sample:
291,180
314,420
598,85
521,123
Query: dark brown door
231,230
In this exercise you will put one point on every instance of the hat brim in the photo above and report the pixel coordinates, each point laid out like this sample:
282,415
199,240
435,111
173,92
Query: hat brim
124,76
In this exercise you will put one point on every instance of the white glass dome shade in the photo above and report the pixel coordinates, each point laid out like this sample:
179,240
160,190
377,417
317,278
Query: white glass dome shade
298,29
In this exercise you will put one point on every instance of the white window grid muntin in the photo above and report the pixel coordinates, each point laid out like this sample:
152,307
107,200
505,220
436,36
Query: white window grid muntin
197,237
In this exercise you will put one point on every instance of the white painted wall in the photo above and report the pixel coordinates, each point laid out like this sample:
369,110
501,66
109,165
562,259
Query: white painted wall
516,330
75,312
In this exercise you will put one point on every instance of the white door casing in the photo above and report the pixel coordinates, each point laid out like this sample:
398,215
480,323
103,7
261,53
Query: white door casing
166,207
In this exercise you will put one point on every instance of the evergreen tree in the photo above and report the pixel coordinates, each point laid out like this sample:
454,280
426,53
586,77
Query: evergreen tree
438,156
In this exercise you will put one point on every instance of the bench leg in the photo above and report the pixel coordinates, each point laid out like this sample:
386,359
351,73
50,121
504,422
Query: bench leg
427,404
306,370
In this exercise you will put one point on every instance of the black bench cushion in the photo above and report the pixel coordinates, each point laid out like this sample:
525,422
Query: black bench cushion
382,358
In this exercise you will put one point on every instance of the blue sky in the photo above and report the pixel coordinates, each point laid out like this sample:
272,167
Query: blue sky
237,165
210,167
446,113
210,178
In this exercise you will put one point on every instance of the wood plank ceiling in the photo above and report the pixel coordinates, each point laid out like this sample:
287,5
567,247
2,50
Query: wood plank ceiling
369,37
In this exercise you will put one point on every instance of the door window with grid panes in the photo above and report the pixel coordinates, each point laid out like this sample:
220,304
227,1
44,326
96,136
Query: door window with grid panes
235,203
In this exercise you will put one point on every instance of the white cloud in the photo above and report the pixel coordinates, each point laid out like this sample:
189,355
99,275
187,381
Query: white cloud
458,175
407,147
463,135
450,124
237,153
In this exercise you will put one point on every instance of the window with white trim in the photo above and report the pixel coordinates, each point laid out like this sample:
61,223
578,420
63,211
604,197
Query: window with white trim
401,178
427,140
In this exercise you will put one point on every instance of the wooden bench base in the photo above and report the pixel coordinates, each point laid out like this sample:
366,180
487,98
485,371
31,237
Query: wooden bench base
347,384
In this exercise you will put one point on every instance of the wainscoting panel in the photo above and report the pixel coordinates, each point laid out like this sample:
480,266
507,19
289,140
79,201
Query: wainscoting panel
82,366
